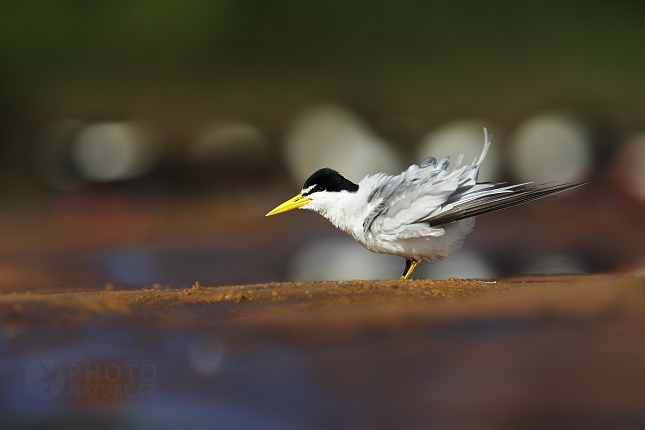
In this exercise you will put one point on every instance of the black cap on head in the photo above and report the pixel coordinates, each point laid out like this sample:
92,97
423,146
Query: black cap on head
328,180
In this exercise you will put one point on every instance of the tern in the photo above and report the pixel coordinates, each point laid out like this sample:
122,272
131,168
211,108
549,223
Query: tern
423,214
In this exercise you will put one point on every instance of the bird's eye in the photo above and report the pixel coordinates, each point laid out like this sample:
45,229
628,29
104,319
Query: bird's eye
321,188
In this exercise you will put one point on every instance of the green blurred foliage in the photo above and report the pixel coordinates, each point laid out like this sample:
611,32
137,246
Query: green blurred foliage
40,38
43,37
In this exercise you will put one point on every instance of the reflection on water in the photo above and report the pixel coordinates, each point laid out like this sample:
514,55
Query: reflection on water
341,259
173,263
130,267
206,353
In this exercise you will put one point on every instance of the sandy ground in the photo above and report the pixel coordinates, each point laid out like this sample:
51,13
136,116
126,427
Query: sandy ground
531,352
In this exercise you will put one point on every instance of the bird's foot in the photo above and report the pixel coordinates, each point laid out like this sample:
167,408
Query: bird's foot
409,267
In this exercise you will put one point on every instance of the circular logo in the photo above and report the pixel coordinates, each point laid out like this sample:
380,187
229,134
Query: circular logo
44,379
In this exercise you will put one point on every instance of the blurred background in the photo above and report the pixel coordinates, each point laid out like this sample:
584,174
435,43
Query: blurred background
143,141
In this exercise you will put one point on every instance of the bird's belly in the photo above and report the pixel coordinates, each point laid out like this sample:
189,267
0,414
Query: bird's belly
425,248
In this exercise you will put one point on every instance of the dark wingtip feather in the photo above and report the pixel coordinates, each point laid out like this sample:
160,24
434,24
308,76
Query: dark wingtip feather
497,202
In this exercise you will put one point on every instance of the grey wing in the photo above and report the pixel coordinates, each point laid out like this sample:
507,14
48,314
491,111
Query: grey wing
423,198
418,193
397,203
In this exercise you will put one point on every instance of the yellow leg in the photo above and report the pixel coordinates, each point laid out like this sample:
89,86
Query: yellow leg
409,267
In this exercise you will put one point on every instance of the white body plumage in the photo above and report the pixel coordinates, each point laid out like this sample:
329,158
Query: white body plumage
423,214
349,211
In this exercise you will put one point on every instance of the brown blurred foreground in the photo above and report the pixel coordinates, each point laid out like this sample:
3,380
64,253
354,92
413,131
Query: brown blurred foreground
531,352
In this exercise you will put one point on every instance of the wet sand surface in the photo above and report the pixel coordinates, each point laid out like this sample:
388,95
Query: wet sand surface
524,352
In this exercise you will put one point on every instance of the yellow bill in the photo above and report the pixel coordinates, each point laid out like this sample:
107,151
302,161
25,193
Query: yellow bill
293,203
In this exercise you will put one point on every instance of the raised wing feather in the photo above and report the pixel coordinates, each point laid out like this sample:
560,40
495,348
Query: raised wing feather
424,198
398,203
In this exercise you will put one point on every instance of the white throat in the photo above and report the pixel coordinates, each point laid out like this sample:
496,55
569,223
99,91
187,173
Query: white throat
344,209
